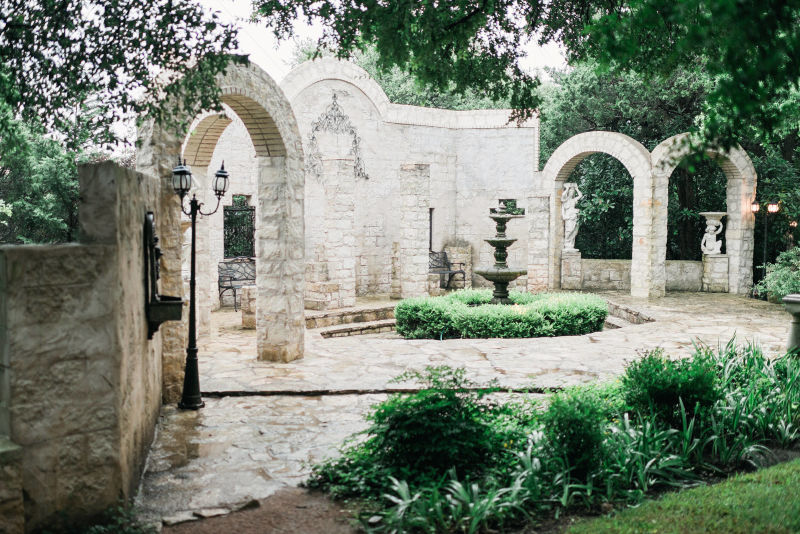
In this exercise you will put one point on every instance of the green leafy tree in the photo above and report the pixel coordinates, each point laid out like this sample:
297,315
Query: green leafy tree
750,46
126,56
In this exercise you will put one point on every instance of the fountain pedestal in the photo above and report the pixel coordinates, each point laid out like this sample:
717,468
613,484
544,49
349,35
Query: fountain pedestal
500,274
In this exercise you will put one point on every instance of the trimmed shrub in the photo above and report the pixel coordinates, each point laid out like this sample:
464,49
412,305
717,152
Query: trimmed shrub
654,384
574,425
783,276
468,314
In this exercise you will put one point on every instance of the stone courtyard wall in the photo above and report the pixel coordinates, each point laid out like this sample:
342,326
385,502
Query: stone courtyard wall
682,275
83,381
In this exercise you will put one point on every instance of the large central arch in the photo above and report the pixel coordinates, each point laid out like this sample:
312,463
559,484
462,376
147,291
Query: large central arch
636,159
253,96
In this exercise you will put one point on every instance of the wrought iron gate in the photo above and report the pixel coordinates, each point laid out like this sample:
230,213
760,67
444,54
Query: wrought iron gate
239,228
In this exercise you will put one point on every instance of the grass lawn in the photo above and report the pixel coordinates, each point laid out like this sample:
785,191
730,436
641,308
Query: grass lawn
767,501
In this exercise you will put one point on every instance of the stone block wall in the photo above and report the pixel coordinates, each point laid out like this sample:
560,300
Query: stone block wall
412,215
571,270
84,380
715,273
616,275
684,275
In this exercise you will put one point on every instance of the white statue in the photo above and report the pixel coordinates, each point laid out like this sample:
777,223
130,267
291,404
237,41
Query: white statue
569,212
710,245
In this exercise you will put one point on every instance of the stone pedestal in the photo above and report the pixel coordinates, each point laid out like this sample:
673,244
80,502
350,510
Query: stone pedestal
248,304
410,258
792,303
715,273
571,276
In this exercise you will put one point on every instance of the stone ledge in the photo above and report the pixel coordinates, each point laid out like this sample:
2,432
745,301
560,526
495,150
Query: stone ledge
346,316
372,327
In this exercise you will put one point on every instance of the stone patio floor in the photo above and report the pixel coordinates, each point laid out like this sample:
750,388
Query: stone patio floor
265,423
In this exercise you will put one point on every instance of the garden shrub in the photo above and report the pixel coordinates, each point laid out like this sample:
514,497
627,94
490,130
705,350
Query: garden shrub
654,384
573,424
783,276
468,314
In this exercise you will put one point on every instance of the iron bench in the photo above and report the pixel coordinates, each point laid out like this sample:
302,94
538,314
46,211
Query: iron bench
234,273
439,264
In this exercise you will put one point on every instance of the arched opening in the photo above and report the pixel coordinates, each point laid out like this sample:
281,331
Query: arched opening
740,187
636,161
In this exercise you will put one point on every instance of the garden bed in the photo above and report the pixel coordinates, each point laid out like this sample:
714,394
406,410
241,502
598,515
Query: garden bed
470,314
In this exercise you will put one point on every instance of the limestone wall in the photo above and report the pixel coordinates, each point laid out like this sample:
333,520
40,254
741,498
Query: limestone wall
616,275
84,383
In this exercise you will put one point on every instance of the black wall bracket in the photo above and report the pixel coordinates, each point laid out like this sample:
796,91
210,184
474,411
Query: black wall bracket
158,308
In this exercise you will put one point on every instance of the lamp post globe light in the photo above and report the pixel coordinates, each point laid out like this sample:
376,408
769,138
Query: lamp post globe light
181,183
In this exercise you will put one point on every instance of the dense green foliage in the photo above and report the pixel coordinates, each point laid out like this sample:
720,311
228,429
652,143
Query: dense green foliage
469,314
764,501
783,276
39,186
748,46
449,426
588,447
657,384
123,56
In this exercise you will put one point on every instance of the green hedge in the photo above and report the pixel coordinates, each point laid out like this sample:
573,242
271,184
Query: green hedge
468,314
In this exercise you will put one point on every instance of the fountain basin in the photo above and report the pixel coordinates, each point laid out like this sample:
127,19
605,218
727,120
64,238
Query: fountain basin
494,274
500,242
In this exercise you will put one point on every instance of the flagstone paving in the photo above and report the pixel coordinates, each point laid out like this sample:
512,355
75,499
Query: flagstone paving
248,446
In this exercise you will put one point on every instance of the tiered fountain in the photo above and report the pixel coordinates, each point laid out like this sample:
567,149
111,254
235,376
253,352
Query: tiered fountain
500,274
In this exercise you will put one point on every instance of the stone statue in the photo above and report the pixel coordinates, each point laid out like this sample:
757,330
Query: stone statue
569,212
710,245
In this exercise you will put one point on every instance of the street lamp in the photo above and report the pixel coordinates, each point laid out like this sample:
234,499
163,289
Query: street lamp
181,183
772,207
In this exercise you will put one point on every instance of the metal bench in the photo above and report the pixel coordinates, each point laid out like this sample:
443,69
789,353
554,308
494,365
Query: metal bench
439,264
234,273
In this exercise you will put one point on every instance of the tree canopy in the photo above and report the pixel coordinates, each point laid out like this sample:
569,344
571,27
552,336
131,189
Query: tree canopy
749,46
124,56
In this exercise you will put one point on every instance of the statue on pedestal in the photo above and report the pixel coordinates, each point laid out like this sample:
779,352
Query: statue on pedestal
709,244
569,212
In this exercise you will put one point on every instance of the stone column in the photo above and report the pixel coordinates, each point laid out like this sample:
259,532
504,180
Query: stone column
280,317
538,243
571,276
414,187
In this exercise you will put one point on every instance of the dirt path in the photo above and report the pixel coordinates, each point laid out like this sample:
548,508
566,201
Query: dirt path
290,511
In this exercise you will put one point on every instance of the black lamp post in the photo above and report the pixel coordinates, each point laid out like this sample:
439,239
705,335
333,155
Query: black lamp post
772,207
182,182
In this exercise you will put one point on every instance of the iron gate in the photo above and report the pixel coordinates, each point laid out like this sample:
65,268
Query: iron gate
239,229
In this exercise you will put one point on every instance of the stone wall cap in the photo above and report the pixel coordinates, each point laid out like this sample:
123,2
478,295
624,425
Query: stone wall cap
792,299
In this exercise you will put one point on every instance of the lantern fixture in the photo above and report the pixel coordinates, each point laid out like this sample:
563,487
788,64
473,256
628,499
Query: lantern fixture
181,178
221,181
773,207
755,206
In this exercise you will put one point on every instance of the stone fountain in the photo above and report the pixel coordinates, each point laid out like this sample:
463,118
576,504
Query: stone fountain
499,273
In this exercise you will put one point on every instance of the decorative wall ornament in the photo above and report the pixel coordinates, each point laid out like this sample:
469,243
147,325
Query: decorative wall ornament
335,121
570,212
709,244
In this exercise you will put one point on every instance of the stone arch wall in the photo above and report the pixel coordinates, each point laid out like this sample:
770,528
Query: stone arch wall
650,172
636,159
740,192
268,117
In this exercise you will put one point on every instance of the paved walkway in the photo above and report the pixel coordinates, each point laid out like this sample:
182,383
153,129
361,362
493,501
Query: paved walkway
247,446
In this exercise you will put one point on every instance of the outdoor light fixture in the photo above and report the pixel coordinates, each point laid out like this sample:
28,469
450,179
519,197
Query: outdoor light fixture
181,183
793,224
755,206
772,207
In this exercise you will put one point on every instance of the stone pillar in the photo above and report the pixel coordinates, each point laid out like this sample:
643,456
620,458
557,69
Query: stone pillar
395,287
538,243
157,155
12,510
248,303
571,276
414,184
715,273
280,316
461,254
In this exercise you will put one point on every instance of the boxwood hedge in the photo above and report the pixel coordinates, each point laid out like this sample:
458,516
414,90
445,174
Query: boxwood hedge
469,314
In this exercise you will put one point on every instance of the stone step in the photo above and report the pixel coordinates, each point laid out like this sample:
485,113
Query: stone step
356,329
360,314
615,322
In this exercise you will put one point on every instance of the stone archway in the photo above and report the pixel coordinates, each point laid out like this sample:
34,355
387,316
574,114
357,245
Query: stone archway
740,192
268,117
636,159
